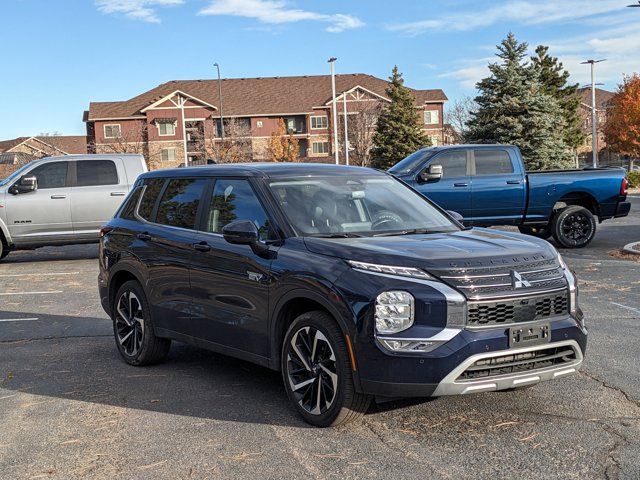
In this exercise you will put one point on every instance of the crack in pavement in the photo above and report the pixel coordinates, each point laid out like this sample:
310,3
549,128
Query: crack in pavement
628,397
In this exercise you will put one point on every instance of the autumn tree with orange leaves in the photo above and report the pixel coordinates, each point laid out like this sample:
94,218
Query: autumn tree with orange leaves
622,130
283,146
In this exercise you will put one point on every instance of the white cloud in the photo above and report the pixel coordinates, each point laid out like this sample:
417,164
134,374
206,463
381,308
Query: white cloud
524,12
470,72
144,10
278,12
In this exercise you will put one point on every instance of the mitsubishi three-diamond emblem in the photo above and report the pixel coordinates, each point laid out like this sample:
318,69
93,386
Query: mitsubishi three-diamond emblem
518,281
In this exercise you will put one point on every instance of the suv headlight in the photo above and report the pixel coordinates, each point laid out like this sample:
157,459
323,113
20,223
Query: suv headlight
395,311
390,270
573,287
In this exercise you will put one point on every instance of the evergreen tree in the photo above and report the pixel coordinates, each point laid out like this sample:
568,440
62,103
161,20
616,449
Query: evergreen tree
514,108
554,78
398,131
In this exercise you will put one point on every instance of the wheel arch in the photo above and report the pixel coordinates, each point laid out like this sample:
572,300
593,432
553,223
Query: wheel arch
580,198
298,301
122,274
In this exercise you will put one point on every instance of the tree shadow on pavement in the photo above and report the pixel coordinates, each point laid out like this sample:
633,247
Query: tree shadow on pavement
53,254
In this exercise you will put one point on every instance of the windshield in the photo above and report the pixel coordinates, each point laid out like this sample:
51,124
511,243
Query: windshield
15,175
351,206
409,164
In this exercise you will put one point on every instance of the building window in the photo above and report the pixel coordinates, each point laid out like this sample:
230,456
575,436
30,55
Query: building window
431,117
319,122
259,123
166,128
169,155
320,147
112,131
434,140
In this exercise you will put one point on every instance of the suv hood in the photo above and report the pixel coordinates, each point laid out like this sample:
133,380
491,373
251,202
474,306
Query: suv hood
478,247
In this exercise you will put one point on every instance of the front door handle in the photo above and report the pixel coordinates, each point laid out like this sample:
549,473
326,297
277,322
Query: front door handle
58,197
202,246
513,182
144,236
118,194
461,184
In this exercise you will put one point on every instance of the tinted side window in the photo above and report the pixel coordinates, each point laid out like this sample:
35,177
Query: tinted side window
493,162
51,175
154,186
179,204
96,172
235,200
454,164
128,209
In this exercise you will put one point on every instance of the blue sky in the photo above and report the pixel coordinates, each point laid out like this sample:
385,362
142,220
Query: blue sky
58,55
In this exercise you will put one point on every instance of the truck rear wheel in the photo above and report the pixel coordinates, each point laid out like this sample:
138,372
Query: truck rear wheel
543,232
4,251
573,227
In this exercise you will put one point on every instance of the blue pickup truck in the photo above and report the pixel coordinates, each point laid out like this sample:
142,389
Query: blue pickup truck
488,185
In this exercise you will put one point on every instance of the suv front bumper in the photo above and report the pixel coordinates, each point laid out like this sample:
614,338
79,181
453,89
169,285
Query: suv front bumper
445,371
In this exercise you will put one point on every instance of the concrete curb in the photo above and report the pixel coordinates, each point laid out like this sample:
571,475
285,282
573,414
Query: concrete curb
628,248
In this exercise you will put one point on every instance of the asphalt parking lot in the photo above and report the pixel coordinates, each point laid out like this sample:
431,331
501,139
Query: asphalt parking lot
70,408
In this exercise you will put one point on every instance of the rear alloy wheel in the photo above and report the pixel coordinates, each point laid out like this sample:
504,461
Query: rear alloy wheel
574,227
543,232
317,372
133,329
4,251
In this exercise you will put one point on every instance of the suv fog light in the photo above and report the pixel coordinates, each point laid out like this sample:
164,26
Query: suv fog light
394,311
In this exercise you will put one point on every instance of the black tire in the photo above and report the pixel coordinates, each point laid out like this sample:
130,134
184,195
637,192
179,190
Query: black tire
346,405
543,232
573,227
134,332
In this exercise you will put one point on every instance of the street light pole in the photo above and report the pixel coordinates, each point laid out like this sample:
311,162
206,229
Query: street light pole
594,113
220,101
346,129
333,108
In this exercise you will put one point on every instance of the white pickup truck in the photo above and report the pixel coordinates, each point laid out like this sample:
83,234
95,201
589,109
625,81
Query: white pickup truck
63,200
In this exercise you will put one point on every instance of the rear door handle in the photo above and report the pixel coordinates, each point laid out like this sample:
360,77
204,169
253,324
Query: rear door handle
461,184
118,194
58,197
513,182
202,246
144,236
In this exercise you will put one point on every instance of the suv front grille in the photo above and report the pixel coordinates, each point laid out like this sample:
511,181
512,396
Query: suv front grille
496,281
517,310
519,362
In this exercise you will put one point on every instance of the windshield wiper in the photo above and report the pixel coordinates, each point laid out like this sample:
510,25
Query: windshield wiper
409,231
340,235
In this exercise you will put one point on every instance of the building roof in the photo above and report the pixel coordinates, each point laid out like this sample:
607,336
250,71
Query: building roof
603,97
63,143
256,96
6,145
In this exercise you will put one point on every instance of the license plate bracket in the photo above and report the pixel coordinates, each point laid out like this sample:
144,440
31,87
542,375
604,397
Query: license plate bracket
529,335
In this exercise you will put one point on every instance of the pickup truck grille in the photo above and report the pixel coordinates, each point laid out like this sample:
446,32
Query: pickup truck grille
520,362
503,281
508,311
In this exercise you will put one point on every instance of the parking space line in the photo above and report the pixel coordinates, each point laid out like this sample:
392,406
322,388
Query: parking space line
18,319
39,274
31,293
626,307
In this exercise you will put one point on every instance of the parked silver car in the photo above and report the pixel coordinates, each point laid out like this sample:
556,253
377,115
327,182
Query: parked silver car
63,200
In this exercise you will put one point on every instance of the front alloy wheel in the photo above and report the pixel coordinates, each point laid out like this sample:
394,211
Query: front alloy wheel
129,323
318,373
312,371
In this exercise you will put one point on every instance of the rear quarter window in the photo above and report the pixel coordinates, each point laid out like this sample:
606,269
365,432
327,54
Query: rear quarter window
150,196
128,210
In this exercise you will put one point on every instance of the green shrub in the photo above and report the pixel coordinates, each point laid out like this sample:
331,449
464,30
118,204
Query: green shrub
634,179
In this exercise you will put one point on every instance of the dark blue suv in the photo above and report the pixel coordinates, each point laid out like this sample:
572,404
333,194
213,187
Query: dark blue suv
350,282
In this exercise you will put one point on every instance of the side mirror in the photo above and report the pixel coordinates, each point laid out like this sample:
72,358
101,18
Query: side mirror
28,183
431,174
244,232
456,216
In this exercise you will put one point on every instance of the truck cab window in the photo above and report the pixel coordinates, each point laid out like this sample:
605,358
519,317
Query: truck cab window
96,172
493,162
51,175
454,164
